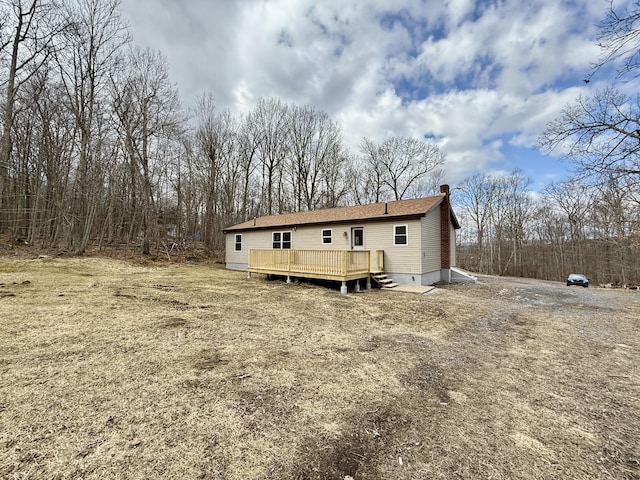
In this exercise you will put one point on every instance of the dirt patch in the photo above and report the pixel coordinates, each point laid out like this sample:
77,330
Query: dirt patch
172,322
123,369
428,378
208,360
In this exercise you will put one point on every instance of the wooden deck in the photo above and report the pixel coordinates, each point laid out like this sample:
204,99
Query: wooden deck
339,265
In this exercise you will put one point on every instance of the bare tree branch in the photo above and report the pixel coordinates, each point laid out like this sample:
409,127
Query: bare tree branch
619,40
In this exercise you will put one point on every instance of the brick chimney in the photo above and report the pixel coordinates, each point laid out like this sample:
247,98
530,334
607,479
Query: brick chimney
445,229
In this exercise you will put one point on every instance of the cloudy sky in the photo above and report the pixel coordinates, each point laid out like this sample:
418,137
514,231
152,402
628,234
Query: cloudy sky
479,78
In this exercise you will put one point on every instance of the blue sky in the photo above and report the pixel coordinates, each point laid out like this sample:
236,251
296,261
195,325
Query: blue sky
482,79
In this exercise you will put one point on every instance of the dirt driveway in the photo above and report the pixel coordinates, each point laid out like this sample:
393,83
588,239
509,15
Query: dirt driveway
113,369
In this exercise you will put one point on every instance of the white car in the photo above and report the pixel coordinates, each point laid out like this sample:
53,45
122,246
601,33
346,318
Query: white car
577,279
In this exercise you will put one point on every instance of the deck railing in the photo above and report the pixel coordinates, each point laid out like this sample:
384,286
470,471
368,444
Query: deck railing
379,261
325,264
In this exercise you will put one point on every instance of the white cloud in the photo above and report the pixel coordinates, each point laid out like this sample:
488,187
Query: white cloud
473,75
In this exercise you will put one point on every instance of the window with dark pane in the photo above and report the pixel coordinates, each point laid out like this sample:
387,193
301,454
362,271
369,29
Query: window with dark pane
286,239
400,235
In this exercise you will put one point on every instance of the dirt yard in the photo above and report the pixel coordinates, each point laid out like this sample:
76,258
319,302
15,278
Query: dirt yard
124,370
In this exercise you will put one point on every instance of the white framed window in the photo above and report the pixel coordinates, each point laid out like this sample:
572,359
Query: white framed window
357,238
281,240
400,235
327,236
238,242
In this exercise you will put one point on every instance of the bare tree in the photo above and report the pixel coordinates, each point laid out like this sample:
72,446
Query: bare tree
367,172
616,227
518,211
619,40
95,39
501,209
399,165
315,150
216,143
600,135
187,184
31,147
549,236
477,196
148,111
271,118
574,202
336,181
55,152
27,39
248,143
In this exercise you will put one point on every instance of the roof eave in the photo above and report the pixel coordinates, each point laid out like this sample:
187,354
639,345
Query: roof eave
326,222
456,222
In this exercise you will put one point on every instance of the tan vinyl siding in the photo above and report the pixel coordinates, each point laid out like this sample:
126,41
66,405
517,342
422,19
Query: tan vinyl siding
302,238
255,239
231,256
310,237
397,258
431,241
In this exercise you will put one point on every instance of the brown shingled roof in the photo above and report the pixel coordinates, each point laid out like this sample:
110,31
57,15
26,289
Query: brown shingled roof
401,208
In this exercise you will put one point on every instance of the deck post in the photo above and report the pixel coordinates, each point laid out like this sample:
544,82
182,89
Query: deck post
289,279
344,264
357,289
369,282
343,288
249,275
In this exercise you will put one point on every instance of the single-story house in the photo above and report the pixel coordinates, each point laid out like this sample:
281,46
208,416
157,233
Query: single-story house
410,242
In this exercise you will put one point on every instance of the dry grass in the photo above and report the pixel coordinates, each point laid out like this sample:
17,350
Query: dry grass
113,369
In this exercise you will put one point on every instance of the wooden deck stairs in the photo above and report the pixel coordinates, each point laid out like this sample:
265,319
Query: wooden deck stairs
383,280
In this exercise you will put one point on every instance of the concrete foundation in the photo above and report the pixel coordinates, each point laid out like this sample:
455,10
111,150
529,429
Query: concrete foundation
236,266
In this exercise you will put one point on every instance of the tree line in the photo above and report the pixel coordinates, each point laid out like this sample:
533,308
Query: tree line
598,136
570,227
96,146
